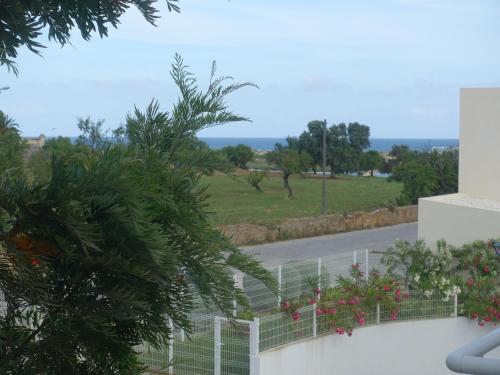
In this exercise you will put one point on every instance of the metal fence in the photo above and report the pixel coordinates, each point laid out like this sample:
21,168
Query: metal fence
280,329
295,277
222,347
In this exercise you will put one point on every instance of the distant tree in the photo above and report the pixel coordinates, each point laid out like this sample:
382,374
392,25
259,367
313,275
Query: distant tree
12,146
239,155
92,133
23,22
254,178
419,180
359,136
424,173
290,161
311,141
445,164
371,160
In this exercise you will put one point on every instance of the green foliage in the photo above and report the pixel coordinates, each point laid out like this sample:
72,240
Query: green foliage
424,174
254,178
345,146
290,161
470,272
12,146
110,239
23,22
371,160
422,269
310,141
239,155
479,269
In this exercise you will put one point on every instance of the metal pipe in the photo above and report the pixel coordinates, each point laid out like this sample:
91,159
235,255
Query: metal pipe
469,359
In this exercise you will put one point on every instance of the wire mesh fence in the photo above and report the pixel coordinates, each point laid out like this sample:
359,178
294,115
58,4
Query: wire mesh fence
281,328
222,347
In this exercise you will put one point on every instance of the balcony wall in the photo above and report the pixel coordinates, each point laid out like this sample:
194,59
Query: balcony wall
410,348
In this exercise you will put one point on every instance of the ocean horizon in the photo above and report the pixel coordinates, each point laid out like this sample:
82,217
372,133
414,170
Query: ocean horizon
377,144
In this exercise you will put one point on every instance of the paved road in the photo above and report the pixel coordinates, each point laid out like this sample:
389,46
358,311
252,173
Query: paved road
374,239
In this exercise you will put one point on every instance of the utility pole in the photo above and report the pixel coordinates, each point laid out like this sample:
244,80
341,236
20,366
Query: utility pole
323,211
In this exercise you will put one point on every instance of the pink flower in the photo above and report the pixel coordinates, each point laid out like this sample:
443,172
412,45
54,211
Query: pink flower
317,291
470,282
486,269
487,319
319,312
286,305
342,301
349,332
481,323
397,292
387,288
340,330
361,321
331,311
354,301
296,316
394,315
35,262
311,301
474,315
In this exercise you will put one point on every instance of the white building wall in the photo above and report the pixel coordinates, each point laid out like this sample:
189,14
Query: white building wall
458,219
480,143
474,213
409,348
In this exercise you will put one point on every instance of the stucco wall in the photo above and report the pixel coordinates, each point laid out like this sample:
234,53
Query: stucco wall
247,234
409,348
479,175
447,217
474,213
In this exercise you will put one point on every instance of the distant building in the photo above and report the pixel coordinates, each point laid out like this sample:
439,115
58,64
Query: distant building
34,144
35,141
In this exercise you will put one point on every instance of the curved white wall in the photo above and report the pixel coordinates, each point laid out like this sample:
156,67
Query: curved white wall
409,348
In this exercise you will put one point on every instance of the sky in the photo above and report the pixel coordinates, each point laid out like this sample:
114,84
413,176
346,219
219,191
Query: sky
395,65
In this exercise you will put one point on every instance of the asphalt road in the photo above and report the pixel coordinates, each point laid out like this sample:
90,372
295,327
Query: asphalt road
373,239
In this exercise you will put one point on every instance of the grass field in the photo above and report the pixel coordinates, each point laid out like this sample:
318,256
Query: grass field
233,201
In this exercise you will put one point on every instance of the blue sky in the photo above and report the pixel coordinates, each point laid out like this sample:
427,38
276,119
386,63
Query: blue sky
396,65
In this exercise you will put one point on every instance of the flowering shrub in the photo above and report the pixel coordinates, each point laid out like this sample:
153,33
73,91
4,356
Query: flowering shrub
423,270
470,272
479,267
345,306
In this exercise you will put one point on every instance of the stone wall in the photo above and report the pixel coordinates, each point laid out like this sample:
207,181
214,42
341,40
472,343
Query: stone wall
249,234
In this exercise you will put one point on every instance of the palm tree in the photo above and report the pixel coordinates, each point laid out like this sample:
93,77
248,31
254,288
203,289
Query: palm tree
7,123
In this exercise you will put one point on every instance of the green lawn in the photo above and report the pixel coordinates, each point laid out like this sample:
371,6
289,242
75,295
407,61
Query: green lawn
232,200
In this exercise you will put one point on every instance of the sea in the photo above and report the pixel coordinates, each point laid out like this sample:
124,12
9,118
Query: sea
377,144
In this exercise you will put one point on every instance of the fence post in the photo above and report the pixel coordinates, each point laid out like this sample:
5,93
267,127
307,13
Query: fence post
318,296
315,320
254,347
235,312
354,257
280,290
183,335
367,265
455,305
171,347
378,313
217,346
